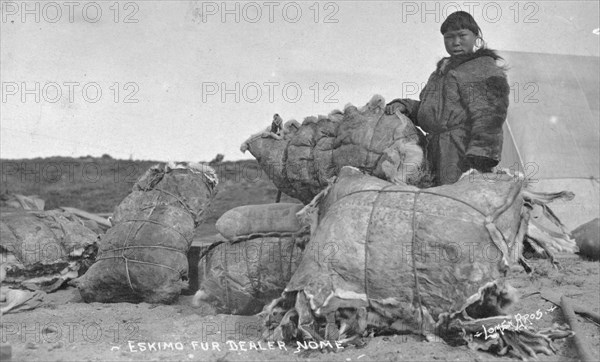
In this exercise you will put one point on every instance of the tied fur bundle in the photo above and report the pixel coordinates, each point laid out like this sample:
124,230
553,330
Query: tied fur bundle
301,163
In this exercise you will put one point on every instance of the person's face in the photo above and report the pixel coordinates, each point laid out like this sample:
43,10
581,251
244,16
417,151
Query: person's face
459,41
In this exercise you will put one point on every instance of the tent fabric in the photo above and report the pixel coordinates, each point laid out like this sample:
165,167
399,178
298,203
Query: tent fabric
552,132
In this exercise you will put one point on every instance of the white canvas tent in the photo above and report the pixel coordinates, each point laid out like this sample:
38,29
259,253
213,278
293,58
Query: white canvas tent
552,129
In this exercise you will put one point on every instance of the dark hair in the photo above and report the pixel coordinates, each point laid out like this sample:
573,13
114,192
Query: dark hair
460,20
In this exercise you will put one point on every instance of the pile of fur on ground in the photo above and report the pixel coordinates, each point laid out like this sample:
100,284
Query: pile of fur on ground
42,250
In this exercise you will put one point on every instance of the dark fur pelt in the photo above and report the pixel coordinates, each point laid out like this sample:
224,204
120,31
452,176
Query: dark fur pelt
449,63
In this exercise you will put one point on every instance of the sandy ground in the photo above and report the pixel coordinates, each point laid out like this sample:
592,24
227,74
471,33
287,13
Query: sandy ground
67,329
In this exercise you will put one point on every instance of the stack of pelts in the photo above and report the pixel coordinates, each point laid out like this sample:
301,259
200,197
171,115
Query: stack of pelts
304,160
44,249
252,268
143,256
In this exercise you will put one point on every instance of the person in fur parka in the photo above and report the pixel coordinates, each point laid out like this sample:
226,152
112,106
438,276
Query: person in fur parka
463,105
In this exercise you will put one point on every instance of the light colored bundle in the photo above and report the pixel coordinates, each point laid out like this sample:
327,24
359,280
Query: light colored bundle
301,163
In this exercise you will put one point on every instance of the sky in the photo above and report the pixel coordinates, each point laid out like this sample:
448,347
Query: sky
186,80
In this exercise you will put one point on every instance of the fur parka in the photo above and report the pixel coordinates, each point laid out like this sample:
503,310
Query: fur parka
462,108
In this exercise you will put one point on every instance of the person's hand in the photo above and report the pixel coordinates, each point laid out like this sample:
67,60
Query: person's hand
393,107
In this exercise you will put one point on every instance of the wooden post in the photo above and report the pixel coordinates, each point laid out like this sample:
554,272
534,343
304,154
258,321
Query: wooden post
580,344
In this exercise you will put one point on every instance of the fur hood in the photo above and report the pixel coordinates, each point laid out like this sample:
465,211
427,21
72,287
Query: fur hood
449,63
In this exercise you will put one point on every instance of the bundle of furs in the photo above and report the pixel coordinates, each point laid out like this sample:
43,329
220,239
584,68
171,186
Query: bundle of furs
302,161
431,261
143,257
42,250
263,249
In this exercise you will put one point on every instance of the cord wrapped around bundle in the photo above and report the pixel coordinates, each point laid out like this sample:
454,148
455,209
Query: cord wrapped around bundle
241,278
408,258
143,257
301,163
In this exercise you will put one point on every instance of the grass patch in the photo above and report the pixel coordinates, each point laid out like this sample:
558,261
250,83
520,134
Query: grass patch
99,184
